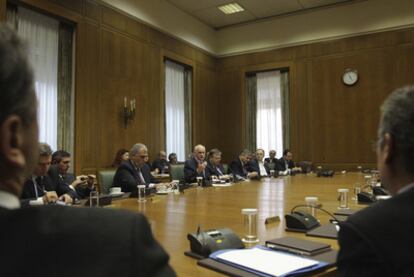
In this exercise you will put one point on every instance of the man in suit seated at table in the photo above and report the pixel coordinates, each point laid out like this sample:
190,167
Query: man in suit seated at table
214,167
286,165
135,171
39,183
378,240
196,166
272,160
241,167
258,165
58,172
55,240
160,165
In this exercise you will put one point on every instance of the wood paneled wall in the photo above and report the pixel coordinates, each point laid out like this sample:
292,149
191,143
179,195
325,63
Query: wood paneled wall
331,124
117,56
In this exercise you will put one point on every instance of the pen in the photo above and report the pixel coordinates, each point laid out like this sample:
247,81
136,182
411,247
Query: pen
288,250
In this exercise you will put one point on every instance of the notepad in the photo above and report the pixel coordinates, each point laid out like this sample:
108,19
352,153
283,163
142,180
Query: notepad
298,246
266,262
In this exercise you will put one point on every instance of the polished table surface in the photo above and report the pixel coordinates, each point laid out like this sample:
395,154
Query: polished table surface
173,216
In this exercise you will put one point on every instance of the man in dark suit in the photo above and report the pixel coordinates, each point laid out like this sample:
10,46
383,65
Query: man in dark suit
258,165
272,161
196,166
134,171
378,240
241,167
82,185
214,167
160,165
55,240
272,157
286,161
37,184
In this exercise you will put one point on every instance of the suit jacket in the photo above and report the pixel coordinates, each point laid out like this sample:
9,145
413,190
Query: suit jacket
160,164
256,167
238,169
378,240
190,171
127,176
269,160
213,170
30,187
281,165
67,179
67,242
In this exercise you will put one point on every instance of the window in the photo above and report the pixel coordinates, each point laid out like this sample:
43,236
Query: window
50,54
267,111
177,109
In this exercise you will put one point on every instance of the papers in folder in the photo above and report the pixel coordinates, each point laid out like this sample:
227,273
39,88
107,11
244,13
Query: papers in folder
266,262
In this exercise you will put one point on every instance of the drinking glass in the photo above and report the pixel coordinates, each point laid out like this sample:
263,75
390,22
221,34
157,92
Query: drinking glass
94,199
250,225
141,193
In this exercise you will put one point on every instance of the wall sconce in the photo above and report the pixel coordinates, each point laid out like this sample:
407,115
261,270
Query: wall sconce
128,114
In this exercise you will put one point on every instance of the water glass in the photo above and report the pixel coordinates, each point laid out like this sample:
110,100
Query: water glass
94,199
343,198
199,181
250,225
272,173
312,203
357,189
141,193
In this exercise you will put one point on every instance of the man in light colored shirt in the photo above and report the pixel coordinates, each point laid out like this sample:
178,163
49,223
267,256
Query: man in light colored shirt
263,167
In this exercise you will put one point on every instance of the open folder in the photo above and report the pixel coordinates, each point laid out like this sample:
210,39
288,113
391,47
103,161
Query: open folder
263,261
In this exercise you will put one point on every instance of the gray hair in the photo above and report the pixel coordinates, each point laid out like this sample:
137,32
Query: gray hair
245,152
44,150
16,78
137,148
213,152
397,119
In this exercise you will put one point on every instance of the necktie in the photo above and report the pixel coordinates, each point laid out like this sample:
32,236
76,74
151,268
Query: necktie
141,177
39,186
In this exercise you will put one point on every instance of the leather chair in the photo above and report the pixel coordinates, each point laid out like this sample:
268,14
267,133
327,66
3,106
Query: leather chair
177,172
105,178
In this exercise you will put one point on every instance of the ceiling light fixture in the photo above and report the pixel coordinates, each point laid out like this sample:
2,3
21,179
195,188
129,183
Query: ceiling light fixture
231,8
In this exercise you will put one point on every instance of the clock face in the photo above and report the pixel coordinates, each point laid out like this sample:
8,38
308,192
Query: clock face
350,77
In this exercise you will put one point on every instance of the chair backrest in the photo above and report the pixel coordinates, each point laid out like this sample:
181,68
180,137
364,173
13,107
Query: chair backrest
105,178
226,168
177,172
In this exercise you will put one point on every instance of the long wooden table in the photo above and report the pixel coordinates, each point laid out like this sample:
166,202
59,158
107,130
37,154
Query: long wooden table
173,216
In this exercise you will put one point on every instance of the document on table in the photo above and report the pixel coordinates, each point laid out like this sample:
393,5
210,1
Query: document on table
267,261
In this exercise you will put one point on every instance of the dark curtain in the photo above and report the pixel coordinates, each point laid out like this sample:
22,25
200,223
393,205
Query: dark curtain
284,89
251,107
65,132
187,112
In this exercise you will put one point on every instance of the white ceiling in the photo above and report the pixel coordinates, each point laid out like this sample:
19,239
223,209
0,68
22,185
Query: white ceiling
207,11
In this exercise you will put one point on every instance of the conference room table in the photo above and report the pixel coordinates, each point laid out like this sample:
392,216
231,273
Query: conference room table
173,216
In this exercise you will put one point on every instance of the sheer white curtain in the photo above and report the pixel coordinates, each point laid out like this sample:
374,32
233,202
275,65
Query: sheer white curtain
41,33
174,109
269,125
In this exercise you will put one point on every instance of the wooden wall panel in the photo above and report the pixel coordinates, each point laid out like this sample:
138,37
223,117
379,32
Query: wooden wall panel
331,124
88,102
92,10
205,107
230,140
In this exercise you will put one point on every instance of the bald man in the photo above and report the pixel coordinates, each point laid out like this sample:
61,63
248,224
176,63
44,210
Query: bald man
196,166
